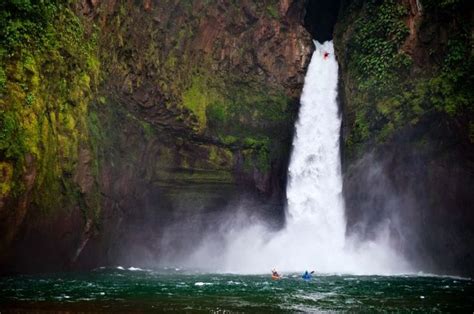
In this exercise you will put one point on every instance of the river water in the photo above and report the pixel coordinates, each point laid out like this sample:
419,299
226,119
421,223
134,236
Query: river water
135,290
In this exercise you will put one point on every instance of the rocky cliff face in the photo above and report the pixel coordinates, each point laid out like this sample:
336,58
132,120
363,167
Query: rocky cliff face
177,111
406,69
119,118
204,97
49,70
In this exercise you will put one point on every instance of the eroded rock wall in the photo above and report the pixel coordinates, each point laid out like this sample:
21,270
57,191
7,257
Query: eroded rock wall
49,71
204,97
175,114
406,72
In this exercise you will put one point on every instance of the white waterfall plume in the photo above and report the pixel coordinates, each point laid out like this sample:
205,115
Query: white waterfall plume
314,236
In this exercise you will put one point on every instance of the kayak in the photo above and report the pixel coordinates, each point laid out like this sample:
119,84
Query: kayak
307,276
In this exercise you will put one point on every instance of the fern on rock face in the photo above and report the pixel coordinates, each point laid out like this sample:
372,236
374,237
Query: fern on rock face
390,91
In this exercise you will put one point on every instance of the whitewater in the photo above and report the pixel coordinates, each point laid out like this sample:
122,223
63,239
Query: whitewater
314,237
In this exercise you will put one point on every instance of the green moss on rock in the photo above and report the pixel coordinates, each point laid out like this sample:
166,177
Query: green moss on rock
386,90
50,68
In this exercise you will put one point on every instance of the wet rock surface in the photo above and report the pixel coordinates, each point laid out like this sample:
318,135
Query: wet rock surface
193,117
408,159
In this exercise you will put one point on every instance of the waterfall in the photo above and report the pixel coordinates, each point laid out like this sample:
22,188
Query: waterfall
314,190
315,182
314,236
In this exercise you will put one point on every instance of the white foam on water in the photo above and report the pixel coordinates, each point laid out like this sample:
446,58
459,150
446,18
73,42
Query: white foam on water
200,284
135,269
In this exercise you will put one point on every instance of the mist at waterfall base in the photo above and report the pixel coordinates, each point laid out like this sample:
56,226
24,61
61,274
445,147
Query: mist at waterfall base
314,237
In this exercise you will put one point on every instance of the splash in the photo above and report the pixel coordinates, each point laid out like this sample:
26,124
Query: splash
314,237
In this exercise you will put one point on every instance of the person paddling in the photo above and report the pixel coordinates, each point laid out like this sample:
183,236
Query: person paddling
307,276
275,274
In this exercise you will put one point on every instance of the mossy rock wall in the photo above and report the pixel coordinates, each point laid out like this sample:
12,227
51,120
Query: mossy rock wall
214,73
120,118
49,70
204,97
406,90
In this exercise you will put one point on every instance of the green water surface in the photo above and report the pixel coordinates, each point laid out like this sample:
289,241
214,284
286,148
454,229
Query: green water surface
134,290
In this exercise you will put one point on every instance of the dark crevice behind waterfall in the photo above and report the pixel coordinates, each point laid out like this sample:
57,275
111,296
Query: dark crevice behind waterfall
320,18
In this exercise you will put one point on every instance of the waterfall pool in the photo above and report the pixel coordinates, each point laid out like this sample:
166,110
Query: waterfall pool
135,290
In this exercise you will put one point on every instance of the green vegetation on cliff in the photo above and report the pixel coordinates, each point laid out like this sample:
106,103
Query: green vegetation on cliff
211,95
397,78
407,89
48,70
241,113
188,111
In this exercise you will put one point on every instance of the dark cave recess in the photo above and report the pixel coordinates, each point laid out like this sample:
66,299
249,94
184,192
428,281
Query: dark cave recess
320,18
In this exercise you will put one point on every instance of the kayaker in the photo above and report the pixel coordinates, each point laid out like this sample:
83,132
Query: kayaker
275,274
307,275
